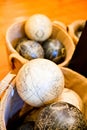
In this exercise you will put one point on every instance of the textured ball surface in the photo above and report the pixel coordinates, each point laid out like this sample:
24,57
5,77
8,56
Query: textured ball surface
39,82
54,50
30,49
60,116
38,27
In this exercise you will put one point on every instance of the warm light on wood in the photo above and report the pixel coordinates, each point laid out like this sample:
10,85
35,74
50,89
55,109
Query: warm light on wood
65,11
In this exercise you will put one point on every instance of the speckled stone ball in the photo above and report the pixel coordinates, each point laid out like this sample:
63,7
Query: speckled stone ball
54,50
30,49
39,82
60,116
38,27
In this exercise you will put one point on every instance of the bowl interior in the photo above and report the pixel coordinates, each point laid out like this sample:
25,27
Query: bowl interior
14,32
75,29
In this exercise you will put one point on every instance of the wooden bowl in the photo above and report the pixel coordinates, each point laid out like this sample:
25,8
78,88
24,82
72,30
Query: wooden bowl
11,103
16,31
74,28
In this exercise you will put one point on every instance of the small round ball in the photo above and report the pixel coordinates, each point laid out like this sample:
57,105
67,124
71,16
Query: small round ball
38,27
30,49
39,82
60,116
54,50
71,97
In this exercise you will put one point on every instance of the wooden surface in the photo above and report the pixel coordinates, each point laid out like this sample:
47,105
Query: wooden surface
66,11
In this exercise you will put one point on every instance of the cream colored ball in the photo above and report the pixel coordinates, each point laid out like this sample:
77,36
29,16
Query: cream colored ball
71,97
39,82
38,27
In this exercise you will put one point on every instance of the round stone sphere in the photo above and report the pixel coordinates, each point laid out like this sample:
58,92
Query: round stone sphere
30,49
54,50
38,27
71,97
39,82
60,116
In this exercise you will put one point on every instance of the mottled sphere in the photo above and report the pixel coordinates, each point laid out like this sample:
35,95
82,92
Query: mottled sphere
39,82
30,49
38,27
54,50
60,116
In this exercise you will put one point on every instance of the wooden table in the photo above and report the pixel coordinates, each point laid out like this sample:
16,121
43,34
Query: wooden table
65,11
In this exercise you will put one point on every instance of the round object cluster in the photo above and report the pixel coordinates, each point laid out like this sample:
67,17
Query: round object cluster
38,27
38,41
60,116
39,82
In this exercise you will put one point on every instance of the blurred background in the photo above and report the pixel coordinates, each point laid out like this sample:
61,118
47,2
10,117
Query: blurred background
65,11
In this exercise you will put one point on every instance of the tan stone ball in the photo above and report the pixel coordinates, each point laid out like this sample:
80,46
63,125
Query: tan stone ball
71,97
38,27
39,82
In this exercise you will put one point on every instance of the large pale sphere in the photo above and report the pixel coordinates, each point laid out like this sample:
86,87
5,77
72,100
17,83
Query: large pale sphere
38,27
39,82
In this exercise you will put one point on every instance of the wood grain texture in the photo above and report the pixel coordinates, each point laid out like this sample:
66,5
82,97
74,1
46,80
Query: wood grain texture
65,11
